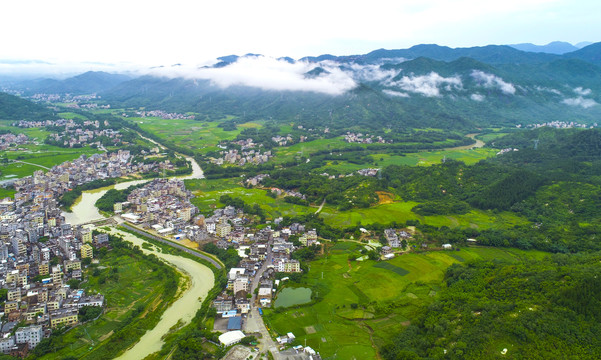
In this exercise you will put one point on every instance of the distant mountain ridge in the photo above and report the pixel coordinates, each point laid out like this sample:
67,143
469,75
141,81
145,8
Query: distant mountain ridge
555,47
86,83
490,54
423,86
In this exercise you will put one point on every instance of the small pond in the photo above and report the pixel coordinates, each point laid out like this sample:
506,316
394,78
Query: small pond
293,296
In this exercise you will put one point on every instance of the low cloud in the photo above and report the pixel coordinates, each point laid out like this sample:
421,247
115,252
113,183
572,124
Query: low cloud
580,101
371,73
395,93
581,91
493,81
428,85
269,74
477,97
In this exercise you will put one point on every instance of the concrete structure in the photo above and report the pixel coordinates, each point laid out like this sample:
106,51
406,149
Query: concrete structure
231,337
31,335
87,251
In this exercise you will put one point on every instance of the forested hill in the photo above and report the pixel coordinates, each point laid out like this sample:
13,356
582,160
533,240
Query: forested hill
15,108
549,309
464,89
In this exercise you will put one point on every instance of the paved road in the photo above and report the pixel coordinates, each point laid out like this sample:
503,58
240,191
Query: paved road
178,246
254,321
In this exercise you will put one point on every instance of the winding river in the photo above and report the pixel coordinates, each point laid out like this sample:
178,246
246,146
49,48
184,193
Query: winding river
182,310
200,277
84,210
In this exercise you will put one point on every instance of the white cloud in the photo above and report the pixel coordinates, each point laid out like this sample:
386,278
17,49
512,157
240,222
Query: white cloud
580,91
492,81
428,85
269,74
371,73
395,93
477,97
551,90
580,101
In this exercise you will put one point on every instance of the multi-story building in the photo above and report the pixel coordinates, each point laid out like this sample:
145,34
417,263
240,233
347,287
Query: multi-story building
64,316
87,251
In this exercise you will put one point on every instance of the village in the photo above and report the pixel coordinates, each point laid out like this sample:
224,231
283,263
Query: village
42,256
76,133
363,138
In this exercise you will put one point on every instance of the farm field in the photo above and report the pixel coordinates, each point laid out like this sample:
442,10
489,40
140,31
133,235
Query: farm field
208,192
44,155
400,211
423,158
355,299
197,135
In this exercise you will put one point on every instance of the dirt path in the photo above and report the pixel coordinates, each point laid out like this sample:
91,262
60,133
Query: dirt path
321,206
28,163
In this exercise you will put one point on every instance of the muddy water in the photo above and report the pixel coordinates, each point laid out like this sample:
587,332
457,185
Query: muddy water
479,143
183,309
84,210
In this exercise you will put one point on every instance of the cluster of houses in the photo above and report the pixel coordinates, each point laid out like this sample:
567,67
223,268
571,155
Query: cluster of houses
79,136
368,172
257,179
73,101
42,123
281,140
504,151
293,193
75,133
264,253
363,138
8,140
242,157
63,177
560,125
162,204
164,115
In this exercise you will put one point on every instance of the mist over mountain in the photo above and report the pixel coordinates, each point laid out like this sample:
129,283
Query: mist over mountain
425,85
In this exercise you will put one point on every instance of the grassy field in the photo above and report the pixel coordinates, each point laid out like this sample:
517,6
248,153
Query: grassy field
400,211
198,135
35,153
6,193
423,158
361,303
132,284
44,155
288,153
208,192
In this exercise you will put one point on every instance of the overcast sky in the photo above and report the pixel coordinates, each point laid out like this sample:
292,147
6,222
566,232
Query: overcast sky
191,32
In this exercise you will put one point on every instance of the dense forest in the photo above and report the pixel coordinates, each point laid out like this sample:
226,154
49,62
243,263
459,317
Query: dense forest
15,108
548,309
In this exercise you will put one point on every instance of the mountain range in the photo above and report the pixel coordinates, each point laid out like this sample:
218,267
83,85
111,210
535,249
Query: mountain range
425,85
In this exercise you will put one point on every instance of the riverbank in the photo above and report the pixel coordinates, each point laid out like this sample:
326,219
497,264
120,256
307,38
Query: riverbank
181,312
